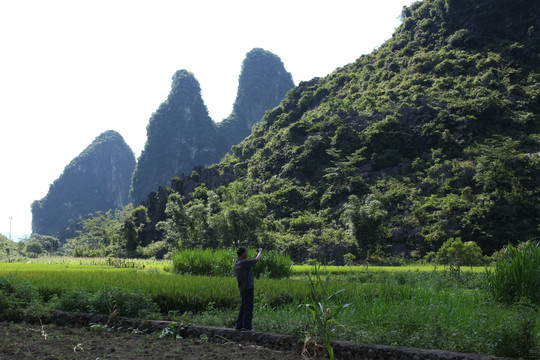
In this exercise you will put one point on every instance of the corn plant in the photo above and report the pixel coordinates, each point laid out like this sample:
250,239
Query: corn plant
324,314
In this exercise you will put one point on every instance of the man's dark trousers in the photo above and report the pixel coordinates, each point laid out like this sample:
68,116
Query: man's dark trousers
245,315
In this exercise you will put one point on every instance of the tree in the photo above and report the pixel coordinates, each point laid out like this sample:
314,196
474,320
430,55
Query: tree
456,253
48,243
100,234
240,221
130,229
34,248
365,221
175,227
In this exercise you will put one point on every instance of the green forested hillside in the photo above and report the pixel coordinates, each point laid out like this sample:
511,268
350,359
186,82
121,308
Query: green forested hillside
434,135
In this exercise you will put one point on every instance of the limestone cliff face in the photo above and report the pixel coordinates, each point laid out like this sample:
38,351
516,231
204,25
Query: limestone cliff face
98,179
262,84
180,135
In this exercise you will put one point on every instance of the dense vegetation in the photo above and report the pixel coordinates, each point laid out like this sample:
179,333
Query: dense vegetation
435,135
7,248
96,180
181,134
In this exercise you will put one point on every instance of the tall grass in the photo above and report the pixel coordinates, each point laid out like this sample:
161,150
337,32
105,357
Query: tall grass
221,263
517,275
101,261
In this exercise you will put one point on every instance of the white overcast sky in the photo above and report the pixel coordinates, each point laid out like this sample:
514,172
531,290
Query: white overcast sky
72,69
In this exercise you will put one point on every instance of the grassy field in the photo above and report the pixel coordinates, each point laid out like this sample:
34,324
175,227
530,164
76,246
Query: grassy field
341,270
296,269
418,306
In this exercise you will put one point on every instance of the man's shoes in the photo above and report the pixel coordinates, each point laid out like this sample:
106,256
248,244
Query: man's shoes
247,330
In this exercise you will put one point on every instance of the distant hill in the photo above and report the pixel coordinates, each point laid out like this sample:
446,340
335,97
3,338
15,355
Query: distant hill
181,134
98,179
434,135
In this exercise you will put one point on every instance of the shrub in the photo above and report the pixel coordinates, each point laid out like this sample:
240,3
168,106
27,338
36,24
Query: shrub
517,274
204,262
273,265
349,259
15,297
75,300
221,263
456,253
517,338
156,250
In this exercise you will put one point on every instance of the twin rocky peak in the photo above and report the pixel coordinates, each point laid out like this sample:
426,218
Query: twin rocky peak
180,136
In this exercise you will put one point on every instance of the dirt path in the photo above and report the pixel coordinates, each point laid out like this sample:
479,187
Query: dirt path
24,341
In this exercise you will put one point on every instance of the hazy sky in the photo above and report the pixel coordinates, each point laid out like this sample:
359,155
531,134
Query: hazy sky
70,70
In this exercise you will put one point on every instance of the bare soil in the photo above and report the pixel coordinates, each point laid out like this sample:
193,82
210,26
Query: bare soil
27,341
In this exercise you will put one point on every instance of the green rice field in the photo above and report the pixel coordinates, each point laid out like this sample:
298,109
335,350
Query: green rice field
421,306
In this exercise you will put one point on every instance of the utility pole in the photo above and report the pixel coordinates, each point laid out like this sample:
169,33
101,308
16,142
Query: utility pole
10,218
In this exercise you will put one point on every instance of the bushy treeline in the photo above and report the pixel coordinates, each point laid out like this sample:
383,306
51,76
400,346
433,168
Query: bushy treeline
31,247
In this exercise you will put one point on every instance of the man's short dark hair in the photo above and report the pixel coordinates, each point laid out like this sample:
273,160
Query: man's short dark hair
241,251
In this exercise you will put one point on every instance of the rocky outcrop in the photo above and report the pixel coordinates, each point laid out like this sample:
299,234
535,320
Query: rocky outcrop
262,84
98,179
180,135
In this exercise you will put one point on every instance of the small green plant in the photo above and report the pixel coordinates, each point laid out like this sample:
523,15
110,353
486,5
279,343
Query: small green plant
324,315
132,303
174,330
17,297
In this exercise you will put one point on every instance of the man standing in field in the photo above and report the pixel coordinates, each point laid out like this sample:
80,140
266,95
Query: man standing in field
246,285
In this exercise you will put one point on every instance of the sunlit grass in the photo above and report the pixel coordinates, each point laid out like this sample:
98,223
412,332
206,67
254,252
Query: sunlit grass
333,269
104,261
414,306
